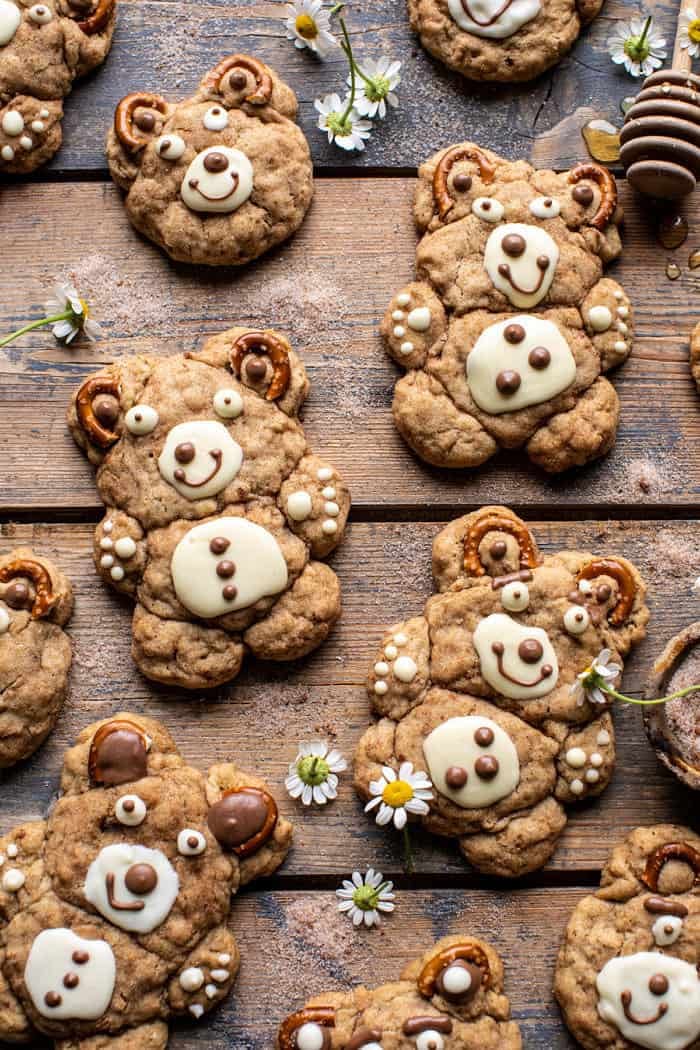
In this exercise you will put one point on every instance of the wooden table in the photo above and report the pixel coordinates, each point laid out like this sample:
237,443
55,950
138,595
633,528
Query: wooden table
641,501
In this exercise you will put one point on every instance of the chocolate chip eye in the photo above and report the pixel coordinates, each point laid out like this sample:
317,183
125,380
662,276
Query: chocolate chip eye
545,207
191,843
40,14
170,147
488,209
576,619
130,810
430,1040
658,984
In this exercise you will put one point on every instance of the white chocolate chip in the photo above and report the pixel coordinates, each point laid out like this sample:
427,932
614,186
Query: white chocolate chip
211,991
117,573
13,880
224,958
38,126
407,347
108,525
400,638
26,143
622,311
603,738
192,979
329,527
599,318
7,153
12,850
196,1010
398,315
325,474
622,327
328,492
331,509
220,976
592,776
420,319
381,669
399,331
391,652
381,688
4,619
405,669
596,759
403,299
576,787
619,295
576,757
106,543
12,123
620,346
107,561
125,547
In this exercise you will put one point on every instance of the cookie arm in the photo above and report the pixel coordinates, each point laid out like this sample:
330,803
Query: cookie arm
413,324
120,551
400,673
586,760
608,320
316,502
207,974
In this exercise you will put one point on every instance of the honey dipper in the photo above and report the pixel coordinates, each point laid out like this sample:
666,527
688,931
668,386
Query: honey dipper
660,139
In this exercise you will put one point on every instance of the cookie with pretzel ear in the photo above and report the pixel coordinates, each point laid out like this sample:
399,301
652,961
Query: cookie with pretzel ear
36,602
220,177
628,972
480,692
503,40
218,514
510,326
44,47
452,998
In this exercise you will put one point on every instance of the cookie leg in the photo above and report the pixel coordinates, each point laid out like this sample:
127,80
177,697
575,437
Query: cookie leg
152,1036
524,845
316,503
586,760
430,422
184,654
206,976
301,619
30,133
607,316
414,322
574,438
120,551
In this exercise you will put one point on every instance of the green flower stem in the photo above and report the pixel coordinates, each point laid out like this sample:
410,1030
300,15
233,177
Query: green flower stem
637,47
407,851
65,316
644,703
347,48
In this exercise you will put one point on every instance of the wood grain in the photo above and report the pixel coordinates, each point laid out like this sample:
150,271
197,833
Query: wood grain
168,45
330,301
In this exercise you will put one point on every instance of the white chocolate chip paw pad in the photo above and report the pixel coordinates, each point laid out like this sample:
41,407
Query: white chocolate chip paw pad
220,177
627,973
508,330
36,602
503,40
481,693
217,510
114,911
449,999
44,47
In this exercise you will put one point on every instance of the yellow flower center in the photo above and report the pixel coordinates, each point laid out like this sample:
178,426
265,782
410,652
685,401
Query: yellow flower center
397,793
86,309
306,27
694,30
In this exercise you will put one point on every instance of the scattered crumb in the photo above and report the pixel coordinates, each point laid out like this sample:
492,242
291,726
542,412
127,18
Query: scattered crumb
675,554
329,935
120,303
646,476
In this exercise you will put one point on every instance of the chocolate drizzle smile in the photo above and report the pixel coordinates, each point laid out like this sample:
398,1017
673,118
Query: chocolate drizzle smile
498,649
494,18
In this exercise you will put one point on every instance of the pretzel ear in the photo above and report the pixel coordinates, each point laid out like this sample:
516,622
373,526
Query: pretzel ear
608,191
492,521
456,973
98,418
118,753
135,133
27,568
274,347
441,192
234,74
320,1019
622,574
656,861
243,820
98,20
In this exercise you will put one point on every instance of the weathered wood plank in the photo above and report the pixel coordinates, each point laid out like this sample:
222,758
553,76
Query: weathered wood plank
385,572
330,301
168,45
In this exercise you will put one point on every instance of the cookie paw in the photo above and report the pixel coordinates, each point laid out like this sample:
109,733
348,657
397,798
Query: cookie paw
586,761
30,133
120,551
402,669
607,315
316,503
207,975
412,325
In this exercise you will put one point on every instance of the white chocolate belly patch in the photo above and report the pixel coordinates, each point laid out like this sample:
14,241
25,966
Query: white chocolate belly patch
69,977
519,362
225,565
517,660
493,19
652,999
472,761
521,261
219,179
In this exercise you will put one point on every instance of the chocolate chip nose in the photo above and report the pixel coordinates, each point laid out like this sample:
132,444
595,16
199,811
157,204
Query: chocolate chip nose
530,651
514,245
216,162
141,879
658,984
185,452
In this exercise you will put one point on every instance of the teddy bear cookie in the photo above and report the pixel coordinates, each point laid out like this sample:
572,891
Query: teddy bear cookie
504,40
113,911
450,999
44,47
217,510
510,325
627,973
36,602
221,177
481,692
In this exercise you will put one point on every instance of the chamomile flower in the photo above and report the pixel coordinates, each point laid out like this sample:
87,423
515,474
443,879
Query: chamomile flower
689,27
309,25
68,315
313,775
342,122
376,86
398,795
636,46
365,897
590,684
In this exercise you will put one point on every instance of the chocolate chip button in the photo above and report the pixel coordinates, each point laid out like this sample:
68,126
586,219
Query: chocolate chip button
216,162
456,777
530,651
514,333
225,569
486,767
508,381
71,980
539,357
229,592
141,879
484,736
514,245
219,545
53,999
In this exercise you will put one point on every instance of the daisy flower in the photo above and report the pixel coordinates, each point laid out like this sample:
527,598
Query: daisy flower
309,25
591,683
378,81
363,898
342,122
397,795
636,46
67,313
689,26
313,773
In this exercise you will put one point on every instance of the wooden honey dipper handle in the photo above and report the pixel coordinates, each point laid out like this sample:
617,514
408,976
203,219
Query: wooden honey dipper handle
682,62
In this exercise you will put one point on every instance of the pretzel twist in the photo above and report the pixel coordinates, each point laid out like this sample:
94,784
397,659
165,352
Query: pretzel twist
44,598
320,1015
96,433
622,575
276,348
98,20
468,950
124,117
253,844
441,193
608,191
497,523
671,851
263,80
